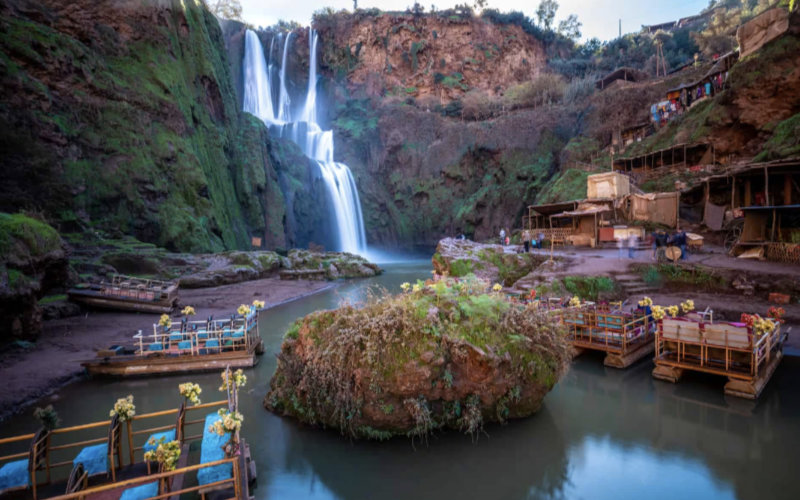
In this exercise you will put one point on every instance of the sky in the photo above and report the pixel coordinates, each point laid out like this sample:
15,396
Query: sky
600,18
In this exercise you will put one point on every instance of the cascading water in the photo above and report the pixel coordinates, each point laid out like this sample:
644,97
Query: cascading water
303,130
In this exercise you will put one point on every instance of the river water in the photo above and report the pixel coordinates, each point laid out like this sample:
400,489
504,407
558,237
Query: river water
602,433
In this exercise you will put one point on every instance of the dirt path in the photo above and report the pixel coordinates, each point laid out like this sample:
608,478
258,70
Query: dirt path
54,361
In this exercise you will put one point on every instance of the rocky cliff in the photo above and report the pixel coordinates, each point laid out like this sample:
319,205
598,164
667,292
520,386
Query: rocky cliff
419,55
122,117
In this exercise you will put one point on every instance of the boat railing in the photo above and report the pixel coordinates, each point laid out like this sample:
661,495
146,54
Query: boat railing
201,337
136,429
64,444
233,482
614,331
133,282
732,349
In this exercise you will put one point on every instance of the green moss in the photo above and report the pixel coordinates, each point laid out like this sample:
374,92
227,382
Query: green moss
565,186
52,298
25,236
784,142
460,268
293,331
159,148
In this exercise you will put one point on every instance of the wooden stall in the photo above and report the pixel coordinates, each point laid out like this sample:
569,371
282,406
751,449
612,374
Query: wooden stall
537,223
664,161
770,232
732,350
585,221
608,185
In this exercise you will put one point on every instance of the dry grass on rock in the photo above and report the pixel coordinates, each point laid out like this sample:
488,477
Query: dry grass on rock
447,355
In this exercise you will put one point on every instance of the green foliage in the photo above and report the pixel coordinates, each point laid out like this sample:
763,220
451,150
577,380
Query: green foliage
47,417
676,276
459,267
26,237
294,331
565,186
546,13
154,133
588,287
784,142
356,118
545,89
52,298
454,80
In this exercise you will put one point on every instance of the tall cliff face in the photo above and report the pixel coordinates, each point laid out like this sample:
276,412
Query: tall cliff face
422,175
428,55
121,116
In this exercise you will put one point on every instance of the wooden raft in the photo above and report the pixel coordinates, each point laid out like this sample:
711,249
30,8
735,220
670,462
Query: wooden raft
726,349
625,338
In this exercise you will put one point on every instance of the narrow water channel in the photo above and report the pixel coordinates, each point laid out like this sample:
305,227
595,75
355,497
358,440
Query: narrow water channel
602,433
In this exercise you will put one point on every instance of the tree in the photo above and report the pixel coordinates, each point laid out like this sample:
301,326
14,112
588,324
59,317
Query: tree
570,27
719,36
590,48
546,13
480,4
355,5
226,9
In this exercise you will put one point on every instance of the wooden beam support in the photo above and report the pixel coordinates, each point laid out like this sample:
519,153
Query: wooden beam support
787,189
748,193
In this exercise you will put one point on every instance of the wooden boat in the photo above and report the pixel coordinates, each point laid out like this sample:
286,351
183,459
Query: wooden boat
127,293
66,460
728,349
184,346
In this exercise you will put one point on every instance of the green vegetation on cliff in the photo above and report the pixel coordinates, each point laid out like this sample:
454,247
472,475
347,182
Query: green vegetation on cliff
443,355
22,237
135,135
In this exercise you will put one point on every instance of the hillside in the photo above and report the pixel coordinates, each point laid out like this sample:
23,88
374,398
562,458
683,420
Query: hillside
121,117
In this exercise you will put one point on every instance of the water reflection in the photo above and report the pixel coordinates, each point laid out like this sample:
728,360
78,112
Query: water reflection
602,433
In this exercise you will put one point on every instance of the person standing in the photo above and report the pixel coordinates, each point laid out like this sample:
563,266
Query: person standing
502,236
620,246
680,241
633,243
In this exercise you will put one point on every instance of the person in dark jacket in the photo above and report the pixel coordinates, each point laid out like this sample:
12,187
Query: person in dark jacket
679,240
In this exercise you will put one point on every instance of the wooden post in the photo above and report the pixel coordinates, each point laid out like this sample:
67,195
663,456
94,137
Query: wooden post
774,223
678,210
733,193
684,155
748,195
787,189
130,442
766,187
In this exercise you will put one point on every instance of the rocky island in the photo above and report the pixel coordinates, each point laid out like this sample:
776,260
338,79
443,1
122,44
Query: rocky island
443,355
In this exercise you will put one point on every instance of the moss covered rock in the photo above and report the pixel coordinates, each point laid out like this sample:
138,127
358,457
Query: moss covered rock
455,257
32,261
447,355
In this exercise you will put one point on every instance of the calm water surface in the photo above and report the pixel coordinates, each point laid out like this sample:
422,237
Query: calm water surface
602,433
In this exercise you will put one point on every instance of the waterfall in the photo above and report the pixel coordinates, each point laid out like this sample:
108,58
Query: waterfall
257,98
303,130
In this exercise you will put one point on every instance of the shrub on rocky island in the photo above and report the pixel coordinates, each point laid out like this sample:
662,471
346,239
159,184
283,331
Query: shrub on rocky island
442,355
